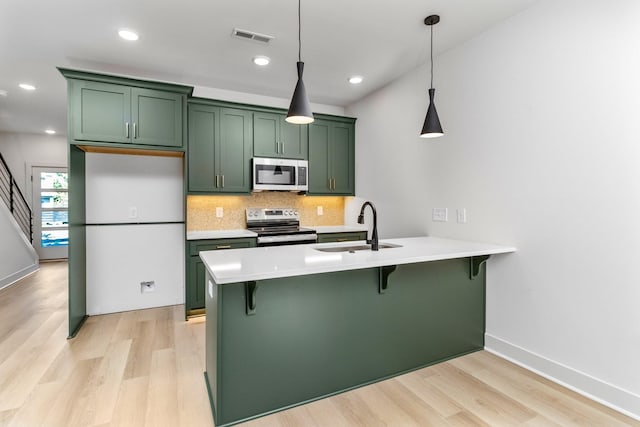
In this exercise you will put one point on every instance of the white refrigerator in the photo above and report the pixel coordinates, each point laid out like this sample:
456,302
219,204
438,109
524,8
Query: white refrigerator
135,232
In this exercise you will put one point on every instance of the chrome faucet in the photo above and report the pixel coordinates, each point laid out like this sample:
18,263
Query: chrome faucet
374,234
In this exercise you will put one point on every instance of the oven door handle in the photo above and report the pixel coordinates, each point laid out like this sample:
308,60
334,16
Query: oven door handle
311,238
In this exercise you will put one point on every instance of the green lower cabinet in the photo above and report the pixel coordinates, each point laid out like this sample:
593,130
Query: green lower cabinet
342,237
195,282
312,336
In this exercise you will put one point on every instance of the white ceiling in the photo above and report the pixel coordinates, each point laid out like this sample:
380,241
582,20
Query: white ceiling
190,42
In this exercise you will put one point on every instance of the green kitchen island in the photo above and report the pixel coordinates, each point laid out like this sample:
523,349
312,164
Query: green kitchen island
291,324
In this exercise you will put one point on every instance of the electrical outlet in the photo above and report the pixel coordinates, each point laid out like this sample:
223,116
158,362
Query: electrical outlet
133,212
146,287
439,214
462,215
320,211
219,212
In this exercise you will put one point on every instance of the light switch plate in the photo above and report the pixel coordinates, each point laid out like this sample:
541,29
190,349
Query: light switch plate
439,214
133,212
219,212
320,211
462,215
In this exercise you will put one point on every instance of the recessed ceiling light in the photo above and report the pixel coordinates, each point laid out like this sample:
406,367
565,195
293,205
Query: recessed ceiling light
354,80
3,92
261,60
27,86
50,131
128,34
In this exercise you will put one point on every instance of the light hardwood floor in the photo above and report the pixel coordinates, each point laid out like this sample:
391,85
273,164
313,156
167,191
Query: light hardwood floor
144,368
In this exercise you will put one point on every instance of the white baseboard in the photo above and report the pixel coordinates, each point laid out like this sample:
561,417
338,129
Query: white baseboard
13,278
609,395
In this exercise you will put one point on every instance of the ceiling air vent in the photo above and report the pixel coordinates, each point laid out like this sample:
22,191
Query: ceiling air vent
251,35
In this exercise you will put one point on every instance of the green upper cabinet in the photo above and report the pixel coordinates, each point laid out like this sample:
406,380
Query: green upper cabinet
219,149
123,111
332,157
235,148
204,131
274,137
156,117
101,112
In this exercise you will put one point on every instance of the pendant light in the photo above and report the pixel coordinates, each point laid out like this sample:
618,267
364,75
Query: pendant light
299,110
431,127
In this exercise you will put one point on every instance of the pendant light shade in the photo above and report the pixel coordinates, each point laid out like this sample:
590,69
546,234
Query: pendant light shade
300,109
431,127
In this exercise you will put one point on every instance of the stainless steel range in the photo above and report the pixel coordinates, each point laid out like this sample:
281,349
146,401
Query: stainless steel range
278,226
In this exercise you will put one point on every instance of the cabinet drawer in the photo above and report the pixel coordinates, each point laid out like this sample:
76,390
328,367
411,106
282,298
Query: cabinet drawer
195,247
342,237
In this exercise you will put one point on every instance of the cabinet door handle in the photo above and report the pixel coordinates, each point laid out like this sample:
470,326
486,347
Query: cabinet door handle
282,148
222,181
329,183
344,239
217,179
135,130
126,129
223,247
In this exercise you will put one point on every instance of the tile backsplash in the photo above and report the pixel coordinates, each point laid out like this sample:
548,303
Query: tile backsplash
201,210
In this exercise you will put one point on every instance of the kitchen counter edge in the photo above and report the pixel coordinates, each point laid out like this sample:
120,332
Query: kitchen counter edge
262,263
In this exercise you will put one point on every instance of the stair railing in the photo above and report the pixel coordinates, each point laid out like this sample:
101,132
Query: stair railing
15,201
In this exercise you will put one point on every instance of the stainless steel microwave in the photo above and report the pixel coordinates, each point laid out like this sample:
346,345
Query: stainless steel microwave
280,174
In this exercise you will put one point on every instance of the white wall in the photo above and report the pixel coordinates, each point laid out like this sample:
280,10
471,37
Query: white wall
23,150
17,256
116,184
120,257
541,147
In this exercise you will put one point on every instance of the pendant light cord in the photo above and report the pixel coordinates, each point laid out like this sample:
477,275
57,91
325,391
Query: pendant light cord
299,37
431,56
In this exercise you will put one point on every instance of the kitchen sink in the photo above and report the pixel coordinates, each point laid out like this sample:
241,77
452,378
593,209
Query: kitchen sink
356,248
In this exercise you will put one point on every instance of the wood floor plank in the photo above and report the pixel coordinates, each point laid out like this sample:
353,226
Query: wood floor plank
441,403
193,402
139,361
110,374
130,409
483,401
23,370
144,368
162,400
418,409
38,403
69,408
325,414
7,416
355,410
542,399
386,408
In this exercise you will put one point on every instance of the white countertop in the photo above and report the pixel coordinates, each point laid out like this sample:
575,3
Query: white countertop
241,265
320,229
219,234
